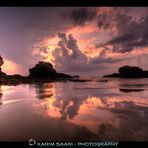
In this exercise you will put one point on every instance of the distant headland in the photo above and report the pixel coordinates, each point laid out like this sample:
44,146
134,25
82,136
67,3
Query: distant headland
129,72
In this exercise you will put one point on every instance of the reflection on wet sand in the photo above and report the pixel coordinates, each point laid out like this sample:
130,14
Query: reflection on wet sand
44,90
109,117
74,111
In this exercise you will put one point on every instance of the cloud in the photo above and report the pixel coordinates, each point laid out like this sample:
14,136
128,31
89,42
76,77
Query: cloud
68,55
69,58
81,16
104,21
22,27
25,32
131,32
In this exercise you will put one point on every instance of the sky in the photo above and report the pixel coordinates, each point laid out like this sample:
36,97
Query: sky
89,41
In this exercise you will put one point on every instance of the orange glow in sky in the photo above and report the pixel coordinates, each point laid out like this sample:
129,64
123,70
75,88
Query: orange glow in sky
10,67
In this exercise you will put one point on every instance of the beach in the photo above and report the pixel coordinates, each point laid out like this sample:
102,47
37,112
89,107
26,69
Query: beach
100,109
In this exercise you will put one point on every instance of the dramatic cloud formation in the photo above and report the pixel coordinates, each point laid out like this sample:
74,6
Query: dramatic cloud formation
22,27
69,58
131,32
95,41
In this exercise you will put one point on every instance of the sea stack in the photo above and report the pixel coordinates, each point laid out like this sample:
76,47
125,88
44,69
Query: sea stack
129,72
46,70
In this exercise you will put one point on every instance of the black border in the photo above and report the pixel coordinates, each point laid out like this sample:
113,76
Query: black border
72,3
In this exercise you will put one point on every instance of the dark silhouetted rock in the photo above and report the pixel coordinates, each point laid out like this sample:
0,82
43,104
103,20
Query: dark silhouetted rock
131,90
76,76
116,75
79,80
2,74
1,61
15,76
42,69
43,72
46,70
129,72
102,81
62,75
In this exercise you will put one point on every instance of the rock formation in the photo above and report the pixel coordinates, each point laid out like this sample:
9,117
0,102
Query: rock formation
42,69
41,72
129,72
2,74
45,70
